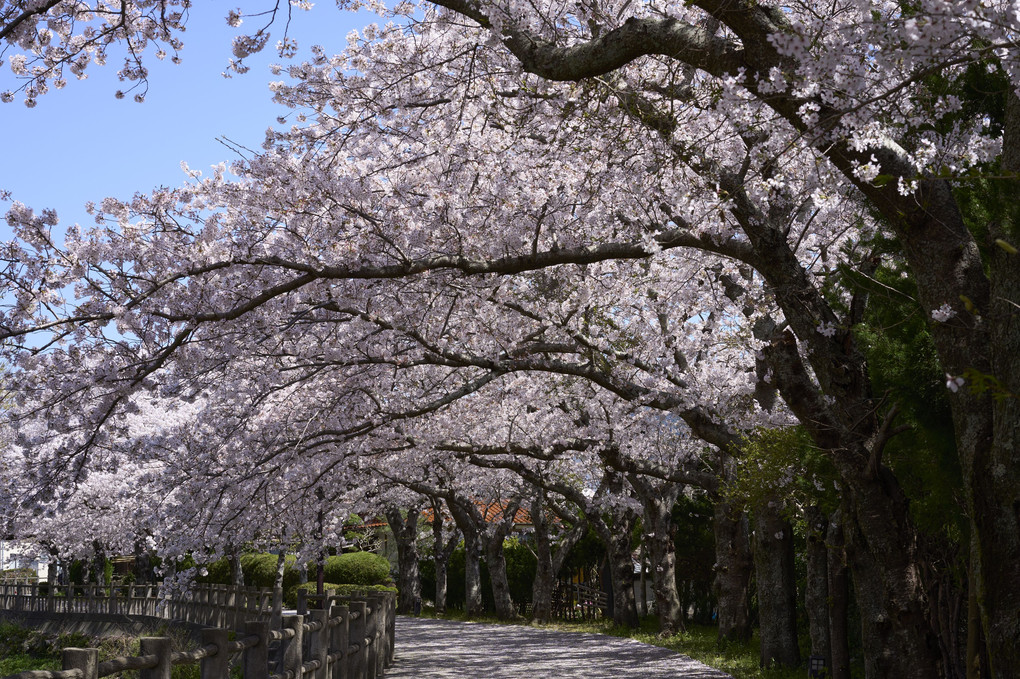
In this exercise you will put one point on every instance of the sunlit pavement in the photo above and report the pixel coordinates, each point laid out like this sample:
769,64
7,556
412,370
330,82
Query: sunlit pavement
441,648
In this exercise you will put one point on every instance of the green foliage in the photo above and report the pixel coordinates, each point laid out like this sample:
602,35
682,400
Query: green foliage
781,463
217,573
904,367
290,596
586,554
695,554
260,570
521,565
358,568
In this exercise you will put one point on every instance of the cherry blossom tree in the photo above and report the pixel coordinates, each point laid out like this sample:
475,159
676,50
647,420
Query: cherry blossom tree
770,142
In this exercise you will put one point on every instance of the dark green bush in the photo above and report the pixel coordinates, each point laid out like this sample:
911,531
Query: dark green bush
260,570
358,568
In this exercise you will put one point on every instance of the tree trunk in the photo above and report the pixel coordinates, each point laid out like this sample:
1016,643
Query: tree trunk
992,473
234,561
496,560
897,638
777,589
621,571
472,557
442,550
405,532
99,563
494,536
545,577
276,617
816,589
549,561
732,572
657,500
839,598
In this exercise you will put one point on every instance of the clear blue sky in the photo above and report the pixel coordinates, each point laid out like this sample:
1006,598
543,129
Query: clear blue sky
81,143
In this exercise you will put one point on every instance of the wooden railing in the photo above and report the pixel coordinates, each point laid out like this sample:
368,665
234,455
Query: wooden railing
210,605
344,638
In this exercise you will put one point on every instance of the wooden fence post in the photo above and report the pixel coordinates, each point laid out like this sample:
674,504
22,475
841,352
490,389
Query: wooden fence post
292,659
256,658
159,647
302,601
372,634
357,631
378,618
216,666
84,659
318,647
391,628
340,637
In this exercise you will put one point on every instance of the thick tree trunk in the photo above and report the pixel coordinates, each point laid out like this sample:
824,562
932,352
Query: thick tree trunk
472,574
993,472
816,589
469,528
549,560
496,560
839,598
405,532
493,538
545,578
777,589
442,550
621,570
732,572
657,500
897,637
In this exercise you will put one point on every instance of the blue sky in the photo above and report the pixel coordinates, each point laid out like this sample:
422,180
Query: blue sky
81,143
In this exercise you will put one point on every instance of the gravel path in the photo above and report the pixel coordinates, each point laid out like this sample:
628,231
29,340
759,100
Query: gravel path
441,648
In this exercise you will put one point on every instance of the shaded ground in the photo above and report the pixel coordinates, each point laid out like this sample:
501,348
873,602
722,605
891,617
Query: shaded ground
443,648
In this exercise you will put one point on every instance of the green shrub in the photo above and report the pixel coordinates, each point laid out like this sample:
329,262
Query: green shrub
217,573
358,568
260,570
290,597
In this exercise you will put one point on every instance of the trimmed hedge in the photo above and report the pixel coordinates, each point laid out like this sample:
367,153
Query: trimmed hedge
290,598
358,568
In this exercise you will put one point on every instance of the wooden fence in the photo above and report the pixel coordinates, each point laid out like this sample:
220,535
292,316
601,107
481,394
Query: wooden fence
343,638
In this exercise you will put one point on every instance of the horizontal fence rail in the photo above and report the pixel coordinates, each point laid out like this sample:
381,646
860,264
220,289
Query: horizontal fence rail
210,605
332,637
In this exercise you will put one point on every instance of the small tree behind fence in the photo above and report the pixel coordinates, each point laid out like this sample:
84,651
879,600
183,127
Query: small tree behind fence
338,638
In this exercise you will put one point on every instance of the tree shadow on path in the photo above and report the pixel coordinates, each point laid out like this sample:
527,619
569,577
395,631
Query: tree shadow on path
443,648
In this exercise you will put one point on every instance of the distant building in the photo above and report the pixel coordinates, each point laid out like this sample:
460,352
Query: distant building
22,556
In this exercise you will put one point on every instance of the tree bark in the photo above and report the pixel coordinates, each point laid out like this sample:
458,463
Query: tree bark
777,590
732,572
442,550
549,561
657,500
992,472
472,557
621,566
816,589
405,531
839,598
276,617
881,551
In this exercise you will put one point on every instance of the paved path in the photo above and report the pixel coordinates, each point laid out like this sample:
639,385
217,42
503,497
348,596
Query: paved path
441,648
